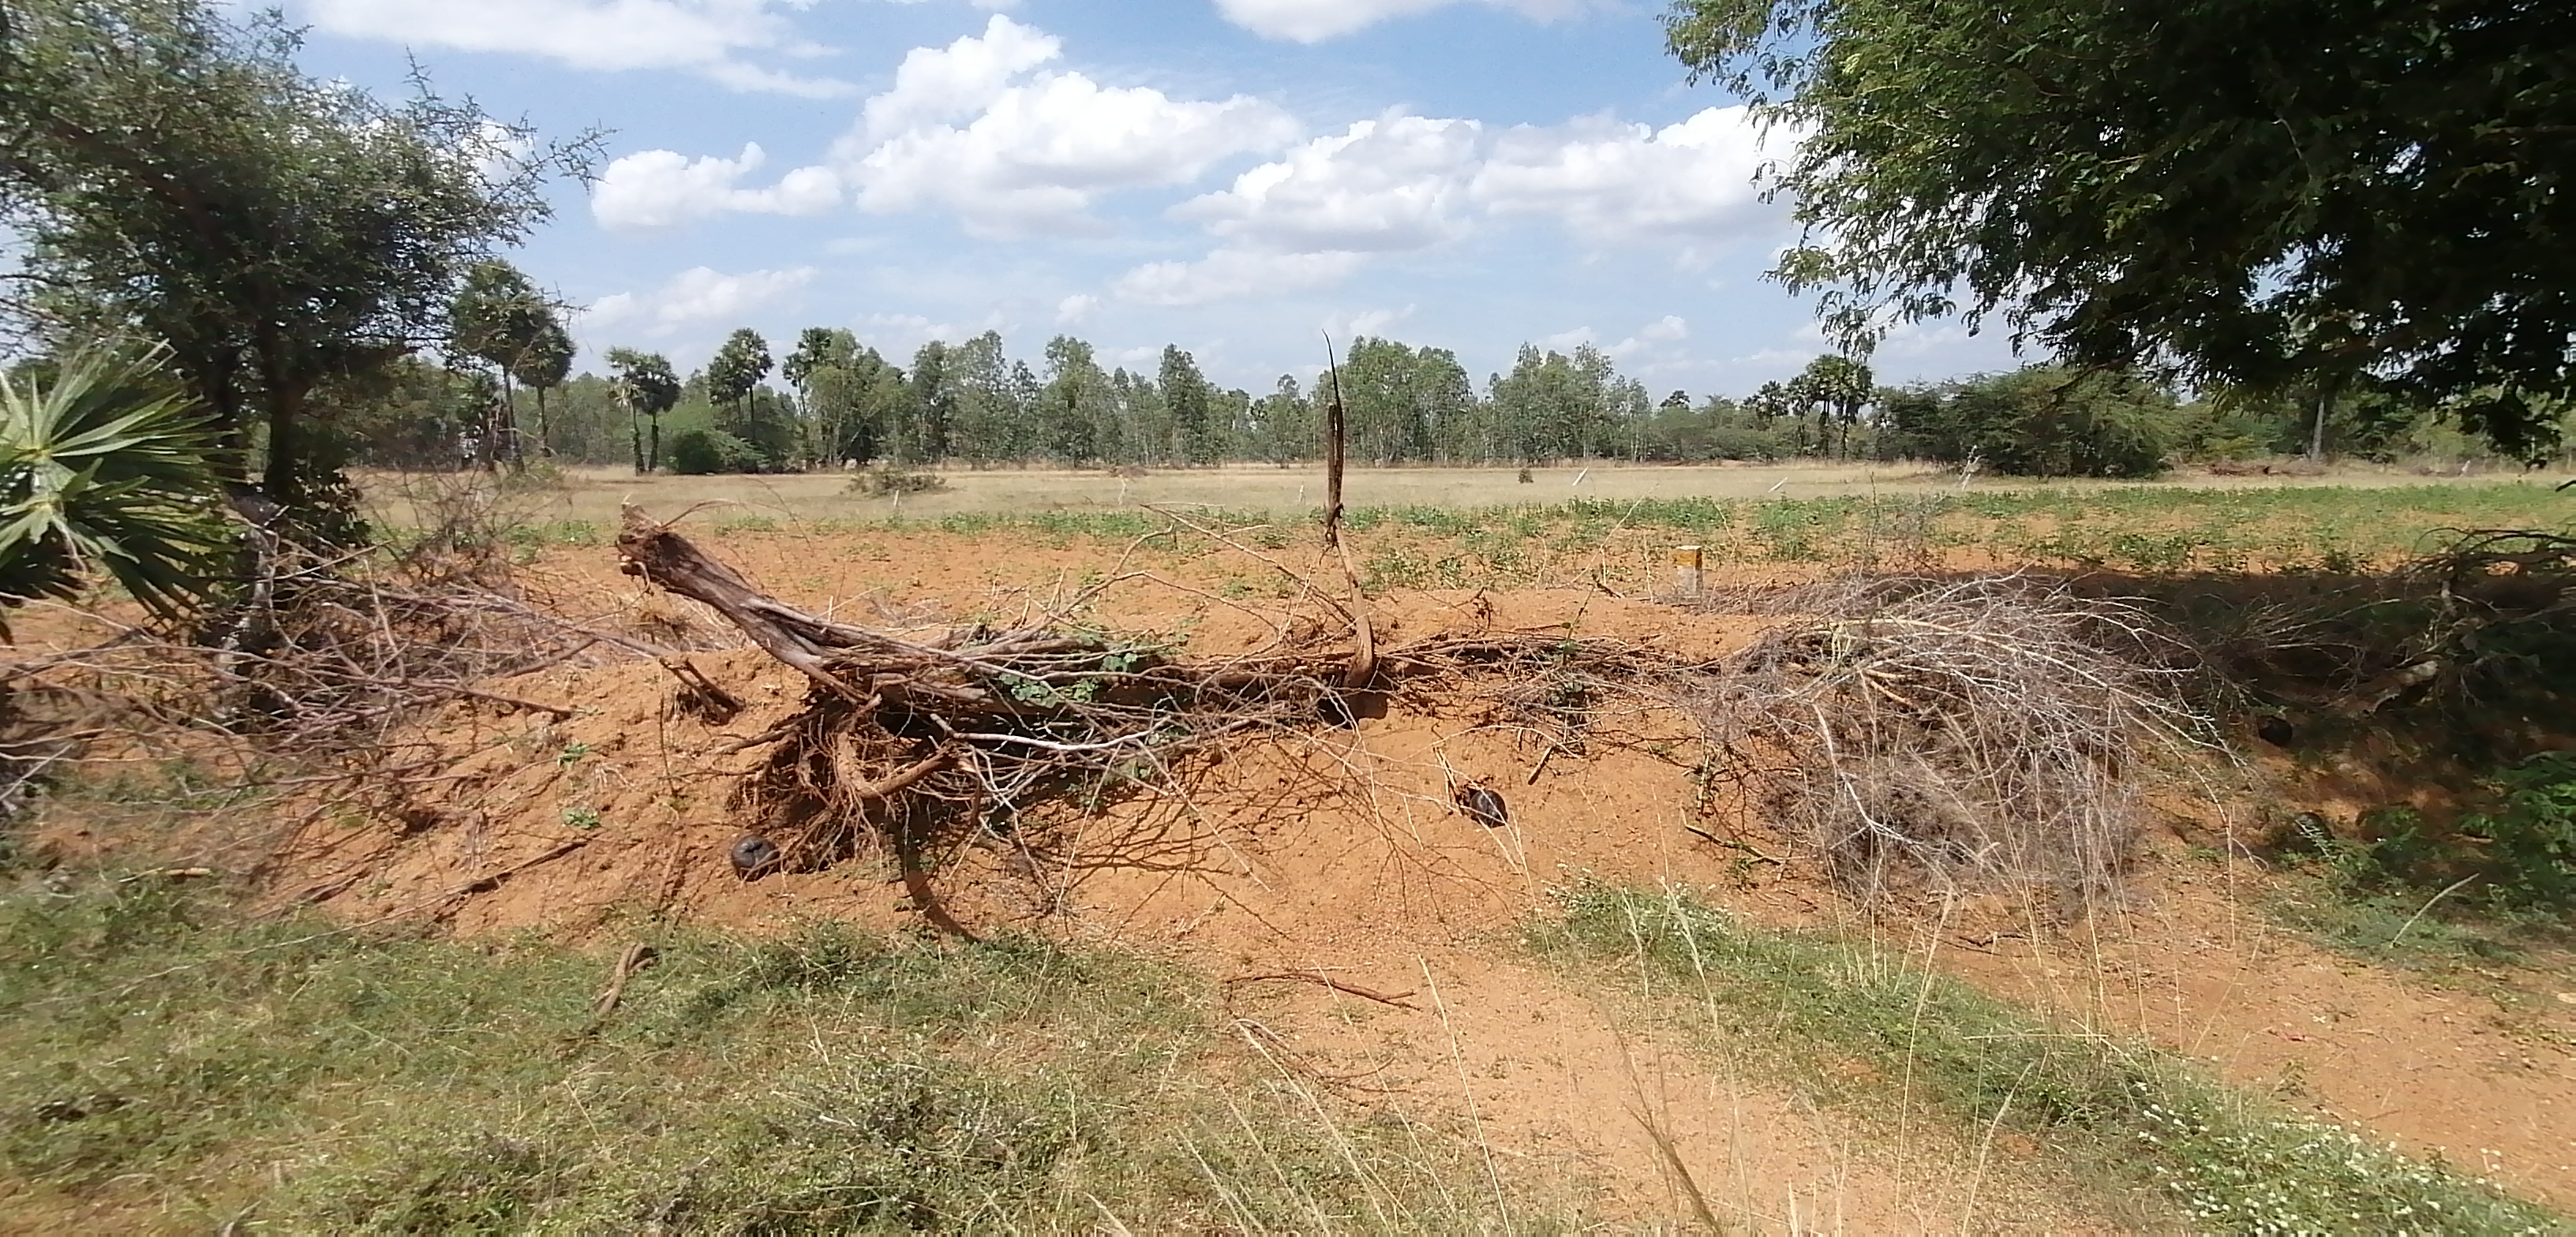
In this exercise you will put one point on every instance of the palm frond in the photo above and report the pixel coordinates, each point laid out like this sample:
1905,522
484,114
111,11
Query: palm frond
107,468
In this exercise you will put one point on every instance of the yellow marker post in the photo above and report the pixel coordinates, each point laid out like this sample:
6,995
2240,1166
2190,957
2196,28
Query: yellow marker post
1686,572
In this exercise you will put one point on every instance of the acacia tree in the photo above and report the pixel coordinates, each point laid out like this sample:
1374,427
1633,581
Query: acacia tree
174,174
2257,194
648,388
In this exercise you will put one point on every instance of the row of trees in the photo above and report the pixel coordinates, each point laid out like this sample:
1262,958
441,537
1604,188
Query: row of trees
971,404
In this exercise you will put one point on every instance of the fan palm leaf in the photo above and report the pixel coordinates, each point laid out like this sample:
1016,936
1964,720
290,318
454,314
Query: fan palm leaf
106,468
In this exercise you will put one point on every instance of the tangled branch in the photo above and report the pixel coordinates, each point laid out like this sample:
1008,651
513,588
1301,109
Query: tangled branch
1983,728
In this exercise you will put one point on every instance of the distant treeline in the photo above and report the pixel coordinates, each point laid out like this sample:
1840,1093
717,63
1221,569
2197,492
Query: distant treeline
836,401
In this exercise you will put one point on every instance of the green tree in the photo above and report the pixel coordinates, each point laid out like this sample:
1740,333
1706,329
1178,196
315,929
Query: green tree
931,407
174,174
992,422
1192,402
818,348
648,388
1074,406
106,466
2260,194
1842,387
2041,420
1285,423
496,318
735,373
541,367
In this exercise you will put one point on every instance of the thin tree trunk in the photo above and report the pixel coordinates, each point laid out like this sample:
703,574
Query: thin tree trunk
1333,448
635,428
545,429
653,457
513,450
2317,436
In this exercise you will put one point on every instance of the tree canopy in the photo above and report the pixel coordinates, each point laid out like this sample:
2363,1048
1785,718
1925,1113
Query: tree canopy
175,175
2251,193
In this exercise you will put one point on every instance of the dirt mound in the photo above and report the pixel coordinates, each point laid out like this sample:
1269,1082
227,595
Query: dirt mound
1353,912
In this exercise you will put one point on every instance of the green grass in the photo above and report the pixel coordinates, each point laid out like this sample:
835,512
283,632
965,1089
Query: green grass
2118,1117
166,1063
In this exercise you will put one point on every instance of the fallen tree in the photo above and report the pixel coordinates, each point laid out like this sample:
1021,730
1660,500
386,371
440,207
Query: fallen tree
974,725
1987,729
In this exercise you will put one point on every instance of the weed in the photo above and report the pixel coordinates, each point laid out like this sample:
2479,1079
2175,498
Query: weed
584,818
2120,1113
827,1081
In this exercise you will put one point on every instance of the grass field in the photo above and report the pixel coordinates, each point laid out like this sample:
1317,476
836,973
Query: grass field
1807,516
592,495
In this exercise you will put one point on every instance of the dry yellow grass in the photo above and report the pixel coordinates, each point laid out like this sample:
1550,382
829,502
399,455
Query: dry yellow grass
592,495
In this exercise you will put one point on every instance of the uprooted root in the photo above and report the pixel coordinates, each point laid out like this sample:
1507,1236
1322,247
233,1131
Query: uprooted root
975,726
1952,731
1980,730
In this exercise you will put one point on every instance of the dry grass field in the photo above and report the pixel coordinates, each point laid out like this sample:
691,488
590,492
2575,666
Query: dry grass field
592,495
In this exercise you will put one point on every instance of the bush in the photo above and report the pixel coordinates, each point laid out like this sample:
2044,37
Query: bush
2531,837
884,481
699,452
2521,851
2041,421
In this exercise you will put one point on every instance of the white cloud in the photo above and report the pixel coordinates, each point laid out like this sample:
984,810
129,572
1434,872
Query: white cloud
1614,182
1077,309
1400,183
1313,21
1040,146
697,297
1229,273
1366,322
898,336
1670,329
959,80
976,128
1394,183
706,37
659,189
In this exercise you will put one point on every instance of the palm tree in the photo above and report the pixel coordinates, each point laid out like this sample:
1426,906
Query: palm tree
107,468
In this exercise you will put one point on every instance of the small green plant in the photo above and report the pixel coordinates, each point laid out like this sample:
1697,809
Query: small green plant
2531,836
583,818
571,755
2516,859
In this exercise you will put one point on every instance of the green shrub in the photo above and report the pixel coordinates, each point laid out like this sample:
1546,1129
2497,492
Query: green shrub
2531,837
699,452
886,480
2520,851
2040,421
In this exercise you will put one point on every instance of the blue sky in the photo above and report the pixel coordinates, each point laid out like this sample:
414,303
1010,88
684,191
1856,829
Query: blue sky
1235,176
